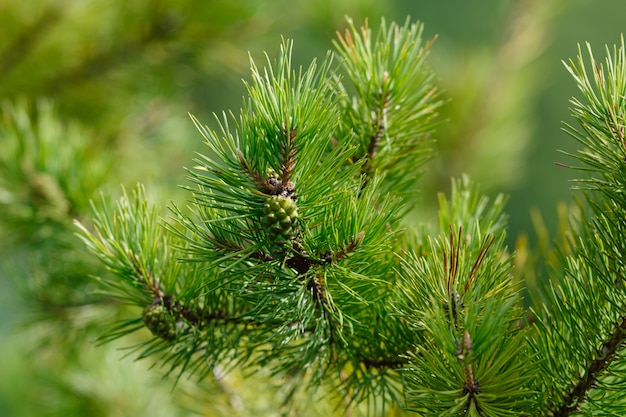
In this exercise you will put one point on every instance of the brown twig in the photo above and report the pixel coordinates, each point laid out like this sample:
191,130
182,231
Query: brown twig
253,174
576,396
348,249
384,363
451,270
379,124
482,253
288,157
471,387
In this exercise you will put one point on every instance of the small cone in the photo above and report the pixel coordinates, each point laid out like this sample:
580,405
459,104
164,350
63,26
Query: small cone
159,321
280,216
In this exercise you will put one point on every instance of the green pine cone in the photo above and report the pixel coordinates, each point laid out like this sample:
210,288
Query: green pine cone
160,321
280,216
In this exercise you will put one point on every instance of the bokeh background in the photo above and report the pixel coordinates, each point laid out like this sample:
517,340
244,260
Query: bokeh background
123,77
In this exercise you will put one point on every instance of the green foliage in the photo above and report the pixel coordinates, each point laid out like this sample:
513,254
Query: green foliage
39,178
41,188
392,112
600,115
293,264
310,298
580,331
458,294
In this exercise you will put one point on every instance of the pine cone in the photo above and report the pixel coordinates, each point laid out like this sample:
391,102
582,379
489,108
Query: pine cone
281,214
160,321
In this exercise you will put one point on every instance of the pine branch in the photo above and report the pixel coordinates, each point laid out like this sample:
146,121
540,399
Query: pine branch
583,321
291,255
466,282
165,314
572,400
390,116
287,254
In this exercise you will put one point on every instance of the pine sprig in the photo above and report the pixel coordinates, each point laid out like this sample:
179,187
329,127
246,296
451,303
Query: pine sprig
580,336
392,112
575,357
132,244
290,116
470,209
320,281
458,297
179,305
601,118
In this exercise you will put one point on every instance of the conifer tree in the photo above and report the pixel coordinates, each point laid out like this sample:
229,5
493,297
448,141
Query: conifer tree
294,256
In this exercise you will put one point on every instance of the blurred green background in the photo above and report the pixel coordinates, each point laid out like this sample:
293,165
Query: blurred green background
126,74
